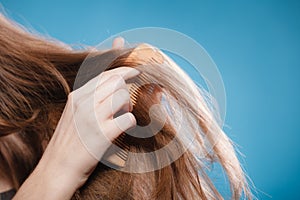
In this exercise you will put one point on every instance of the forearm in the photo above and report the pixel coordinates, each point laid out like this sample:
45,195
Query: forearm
60,171
46,183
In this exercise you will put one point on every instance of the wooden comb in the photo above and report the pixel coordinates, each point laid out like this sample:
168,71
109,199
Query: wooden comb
117,156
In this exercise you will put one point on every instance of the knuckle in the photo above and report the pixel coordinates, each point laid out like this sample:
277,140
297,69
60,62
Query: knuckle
118,79
75,98
103,74
123,95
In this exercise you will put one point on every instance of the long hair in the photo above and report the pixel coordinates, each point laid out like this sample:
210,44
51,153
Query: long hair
36,76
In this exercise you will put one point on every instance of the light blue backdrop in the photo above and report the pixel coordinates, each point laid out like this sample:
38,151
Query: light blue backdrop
255,45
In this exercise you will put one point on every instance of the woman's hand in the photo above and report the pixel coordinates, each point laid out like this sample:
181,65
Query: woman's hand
83,134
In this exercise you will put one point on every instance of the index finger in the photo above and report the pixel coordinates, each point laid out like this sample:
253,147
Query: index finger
124,72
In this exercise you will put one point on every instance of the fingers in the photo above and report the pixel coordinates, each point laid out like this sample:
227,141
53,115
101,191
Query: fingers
106,89
120,125
118,43
123,72
118,101
110,96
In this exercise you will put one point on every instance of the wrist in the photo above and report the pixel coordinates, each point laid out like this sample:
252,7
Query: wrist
67,168
60,171
46,183
53,182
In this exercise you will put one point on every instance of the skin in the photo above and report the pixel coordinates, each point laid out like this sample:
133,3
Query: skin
67,163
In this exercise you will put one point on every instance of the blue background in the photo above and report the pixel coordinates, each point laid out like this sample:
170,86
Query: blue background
255,46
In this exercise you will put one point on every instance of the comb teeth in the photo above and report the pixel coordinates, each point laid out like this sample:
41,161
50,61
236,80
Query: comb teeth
135,87
118,157
124,148
134,91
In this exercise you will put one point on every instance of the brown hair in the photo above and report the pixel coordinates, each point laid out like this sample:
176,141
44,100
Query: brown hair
36,76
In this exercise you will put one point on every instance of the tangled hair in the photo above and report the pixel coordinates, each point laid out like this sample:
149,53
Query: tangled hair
36,76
